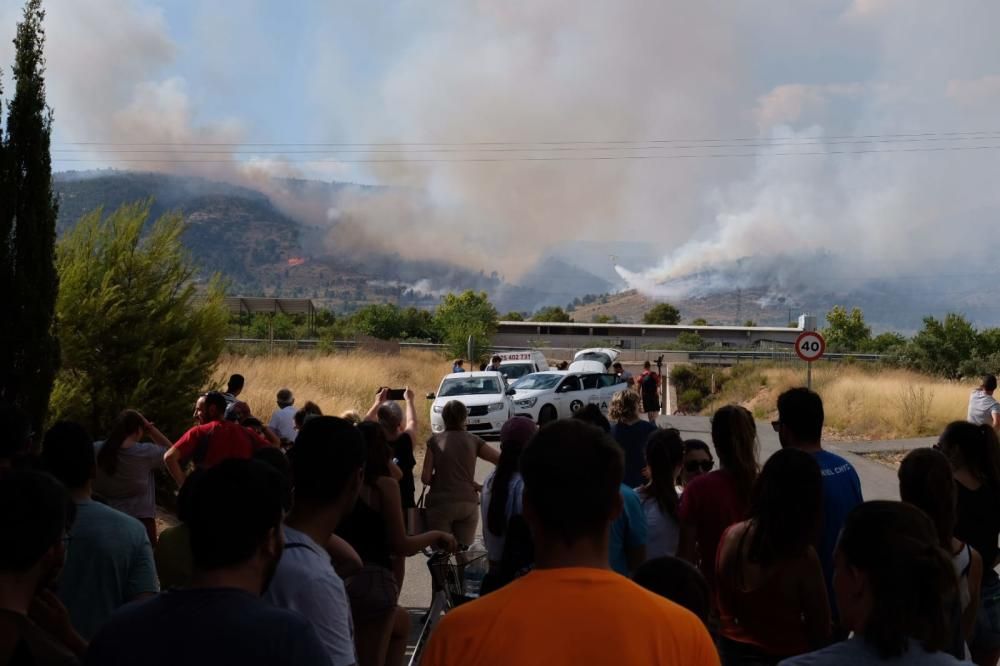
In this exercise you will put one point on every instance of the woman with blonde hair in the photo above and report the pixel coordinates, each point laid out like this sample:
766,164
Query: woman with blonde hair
449,470
631,433
714,501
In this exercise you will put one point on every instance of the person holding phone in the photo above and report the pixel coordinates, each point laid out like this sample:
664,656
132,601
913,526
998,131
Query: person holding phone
400,434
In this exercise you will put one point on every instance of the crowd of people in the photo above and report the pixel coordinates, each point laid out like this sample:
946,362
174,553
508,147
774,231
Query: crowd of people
608,540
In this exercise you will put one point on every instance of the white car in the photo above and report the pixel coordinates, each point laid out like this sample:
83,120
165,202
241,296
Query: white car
486,396
594,359
514,365
557,394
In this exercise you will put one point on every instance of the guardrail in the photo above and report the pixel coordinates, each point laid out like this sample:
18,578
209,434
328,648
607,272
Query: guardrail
708,357
312,343
771,355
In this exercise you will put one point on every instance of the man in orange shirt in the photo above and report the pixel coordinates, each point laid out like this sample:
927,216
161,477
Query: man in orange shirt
572,609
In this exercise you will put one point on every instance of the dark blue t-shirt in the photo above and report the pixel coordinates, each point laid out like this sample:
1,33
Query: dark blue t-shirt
841,493
633,440
210,627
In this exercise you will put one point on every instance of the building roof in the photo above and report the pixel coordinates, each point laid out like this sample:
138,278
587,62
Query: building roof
259,304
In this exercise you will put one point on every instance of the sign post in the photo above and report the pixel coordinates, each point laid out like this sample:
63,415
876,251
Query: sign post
810,347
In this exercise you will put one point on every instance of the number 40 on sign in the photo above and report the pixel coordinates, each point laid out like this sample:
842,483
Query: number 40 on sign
810,347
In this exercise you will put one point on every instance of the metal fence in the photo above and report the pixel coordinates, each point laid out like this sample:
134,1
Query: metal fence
702,357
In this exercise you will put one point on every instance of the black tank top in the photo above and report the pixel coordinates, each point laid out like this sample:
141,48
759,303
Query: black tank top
978,524
365,529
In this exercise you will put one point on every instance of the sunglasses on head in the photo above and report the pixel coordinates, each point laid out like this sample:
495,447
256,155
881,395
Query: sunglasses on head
703,465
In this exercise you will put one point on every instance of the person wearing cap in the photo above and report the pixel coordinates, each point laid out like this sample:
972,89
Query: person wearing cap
283,419
501,496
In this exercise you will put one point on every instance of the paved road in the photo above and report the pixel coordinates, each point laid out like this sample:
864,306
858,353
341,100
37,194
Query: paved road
877,482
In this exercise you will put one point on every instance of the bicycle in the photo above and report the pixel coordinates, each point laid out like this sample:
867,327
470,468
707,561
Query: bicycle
449,588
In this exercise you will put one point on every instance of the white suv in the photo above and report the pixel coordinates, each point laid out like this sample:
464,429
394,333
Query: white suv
547,396
484,394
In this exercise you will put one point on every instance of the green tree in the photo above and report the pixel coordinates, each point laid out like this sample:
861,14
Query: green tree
750,323
690,341
941,347
988,342
551,313
462,315
278,325
662,313
884,342
699,322
418,325
604,319
380,320
513,316
136,330
846,331
30,351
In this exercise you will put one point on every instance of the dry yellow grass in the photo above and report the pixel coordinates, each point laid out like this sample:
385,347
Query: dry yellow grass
337,383
860,402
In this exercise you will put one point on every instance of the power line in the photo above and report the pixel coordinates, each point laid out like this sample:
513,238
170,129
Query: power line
417,151
915,136
586,158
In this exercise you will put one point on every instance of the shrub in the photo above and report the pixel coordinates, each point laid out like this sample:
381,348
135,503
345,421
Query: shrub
135,330
690,341
690,400
662,313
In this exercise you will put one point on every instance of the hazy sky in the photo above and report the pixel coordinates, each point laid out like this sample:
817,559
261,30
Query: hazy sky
782,73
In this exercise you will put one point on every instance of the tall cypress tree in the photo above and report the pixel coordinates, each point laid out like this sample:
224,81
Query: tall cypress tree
31,350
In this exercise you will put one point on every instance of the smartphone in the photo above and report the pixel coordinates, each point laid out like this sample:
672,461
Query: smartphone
394,394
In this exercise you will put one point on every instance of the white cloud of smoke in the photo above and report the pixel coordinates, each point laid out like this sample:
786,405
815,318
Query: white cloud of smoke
830,224
567,71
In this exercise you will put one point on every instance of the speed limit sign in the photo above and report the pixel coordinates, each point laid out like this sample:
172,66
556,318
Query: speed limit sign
810,346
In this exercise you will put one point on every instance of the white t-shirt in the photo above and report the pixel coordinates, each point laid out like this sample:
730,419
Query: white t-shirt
306,583
494,543
981,408
662,530
283,422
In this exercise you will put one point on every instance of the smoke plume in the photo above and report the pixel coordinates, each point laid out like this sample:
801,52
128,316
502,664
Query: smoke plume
734,93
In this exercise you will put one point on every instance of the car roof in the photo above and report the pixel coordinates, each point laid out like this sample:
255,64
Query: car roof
598,350
467,375
563,373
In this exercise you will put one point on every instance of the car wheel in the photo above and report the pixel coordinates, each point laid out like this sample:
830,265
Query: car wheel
547,415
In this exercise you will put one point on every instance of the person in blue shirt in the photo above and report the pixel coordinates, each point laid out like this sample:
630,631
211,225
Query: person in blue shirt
627,545
800,426
627,541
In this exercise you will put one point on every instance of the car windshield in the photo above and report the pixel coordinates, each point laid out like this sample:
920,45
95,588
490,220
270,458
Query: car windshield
600,357
540,381
516,370
469,386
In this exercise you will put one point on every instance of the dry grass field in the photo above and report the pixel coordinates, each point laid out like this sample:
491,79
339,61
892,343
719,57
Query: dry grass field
337,383
860,402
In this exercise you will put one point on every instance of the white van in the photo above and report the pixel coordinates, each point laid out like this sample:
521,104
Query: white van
514,365
594,359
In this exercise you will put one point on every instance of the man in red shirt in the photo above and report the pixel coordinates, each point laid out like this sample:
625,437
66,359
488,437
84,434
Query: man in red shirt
209,444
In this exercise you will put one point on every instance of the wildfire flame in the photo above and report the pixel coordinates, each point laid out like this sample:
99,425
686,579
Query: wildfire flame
296,261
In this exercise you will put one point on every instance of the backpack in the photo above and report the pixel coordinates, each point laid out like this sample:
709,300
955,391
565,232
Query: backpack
648,382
